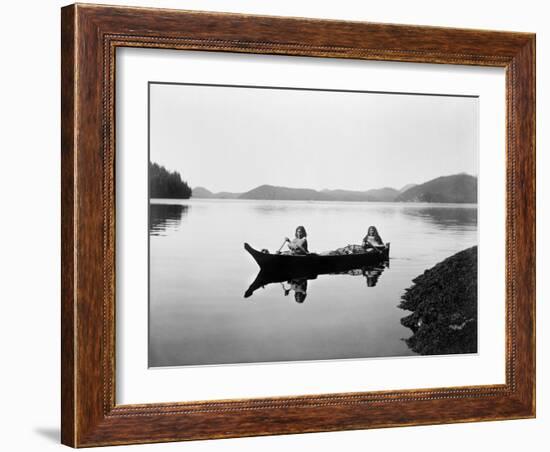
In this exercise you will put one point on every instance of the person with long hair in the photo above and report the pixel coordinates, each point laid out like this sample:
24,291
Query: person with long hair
298,245
373,239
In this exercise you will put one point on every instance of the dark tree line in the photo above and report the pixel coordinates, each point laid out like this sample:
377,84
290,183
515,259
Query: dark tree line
166,184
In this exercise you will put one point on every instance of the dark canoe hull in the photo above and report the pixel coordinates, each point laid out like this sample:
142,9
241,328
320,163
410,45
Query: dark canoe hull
280,267
315,264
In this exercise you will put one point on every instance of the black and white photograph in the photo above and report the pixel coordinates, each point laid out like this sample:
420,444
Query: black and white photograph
266,226
293,224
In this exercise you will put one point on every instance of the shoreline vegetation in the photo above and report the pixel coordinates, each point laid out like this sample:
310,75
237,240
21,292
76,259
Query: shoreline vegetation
443,301
457,189
167,184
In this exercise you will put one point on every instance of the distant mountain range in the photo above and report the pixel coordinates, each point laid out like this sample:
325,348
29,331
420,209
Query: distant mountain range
201,192
459,188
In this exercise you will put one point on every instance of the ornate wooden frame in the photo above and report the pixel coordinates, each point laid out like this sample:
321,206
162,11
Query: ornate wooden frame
90,35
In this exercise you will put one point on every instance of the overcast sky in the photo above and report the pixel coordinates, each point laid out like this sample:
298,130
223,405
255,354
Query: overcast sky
234,139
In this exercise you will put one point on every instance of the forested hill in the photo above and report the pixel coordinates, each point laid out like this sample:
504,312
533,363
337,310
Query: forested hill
204,193
166,184
459,188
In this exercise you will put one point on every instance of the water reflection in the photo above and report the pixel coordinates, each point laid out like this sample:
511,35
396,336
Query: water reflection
165,217
299,287
299,284
444,217
371,274
196,322
270,209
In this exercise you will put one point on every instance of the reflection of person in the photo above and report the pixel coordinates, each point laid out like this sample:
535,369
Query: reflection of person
299,286
298,245
372,274
373,239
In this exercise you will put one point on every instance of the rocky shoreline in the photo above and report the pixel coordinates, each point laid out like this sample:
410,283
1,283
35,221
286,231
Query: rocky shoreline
443,301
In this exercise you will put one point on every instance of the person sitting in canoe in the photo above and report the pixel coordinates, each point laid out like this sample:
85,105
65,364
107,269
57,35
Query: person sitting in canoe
373,240
298,245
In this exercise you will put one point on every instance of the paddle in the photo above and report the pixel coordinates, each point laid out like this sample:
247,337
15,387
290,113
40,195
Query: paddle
281,247
287,240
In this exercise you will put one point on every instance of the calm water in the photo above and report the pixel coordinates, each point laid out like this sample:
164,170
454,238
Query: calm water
199,273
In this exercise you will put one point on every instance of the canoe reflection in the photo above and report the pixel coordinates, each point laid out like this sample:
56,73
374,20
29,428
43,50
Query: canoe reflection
298,284
371,273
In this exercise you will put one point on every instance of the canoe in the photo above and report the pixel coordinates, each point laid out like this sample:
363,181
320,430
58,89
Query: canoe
281,267
314,264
